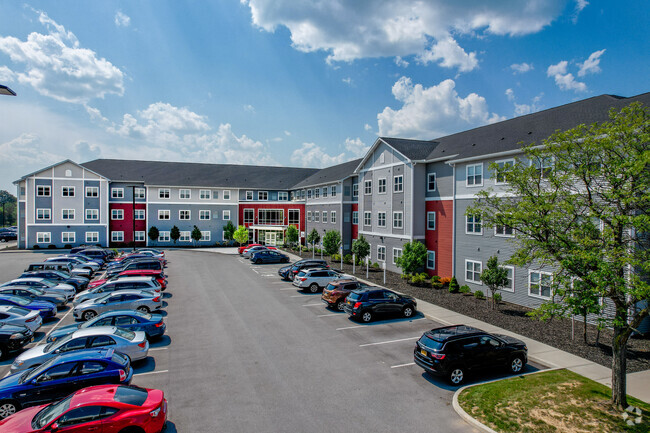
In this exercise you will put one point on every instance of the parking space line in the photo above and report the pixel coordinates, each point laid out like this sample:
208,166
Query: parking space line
158,348
151,372
279,282
297,296
313,305
402,365
389,341
57,323
351,327
289,288
328,315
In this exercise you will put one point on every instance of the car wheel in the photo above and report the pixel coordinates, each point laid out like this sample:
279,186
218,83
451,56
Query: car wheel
7,408
408,311
143,308
87,315
366,316
456,375
516,364
340,305
313,287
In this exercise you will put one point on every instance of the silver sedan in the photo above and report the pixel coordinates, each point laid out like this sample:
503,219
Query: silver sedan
44,284
13,315
140,300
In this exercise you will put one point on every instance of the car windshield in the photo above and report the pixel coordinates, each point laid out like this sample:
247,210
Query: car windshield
49,347
142,314
103,298
354,296
48,283
430,343
36,291
51,412
132,395
19,300
127,335
31,374
19,310
302,274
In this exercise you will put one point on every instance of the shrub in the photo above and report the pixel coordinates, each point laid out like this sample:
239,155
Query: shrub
419,278
465,289
347,259
406,277
445,281
37,247
336,257
496,298
51,246
435,282
375,265
479,294
305,248
453,285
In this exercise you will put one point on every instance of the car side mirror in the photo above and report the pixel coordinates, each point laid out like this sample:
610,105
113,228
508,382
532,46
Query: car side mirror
54,427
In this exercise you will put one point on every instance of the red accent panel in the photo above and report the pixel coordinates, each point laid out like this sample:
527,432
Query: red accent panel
440,240
286,207
126,225
355,227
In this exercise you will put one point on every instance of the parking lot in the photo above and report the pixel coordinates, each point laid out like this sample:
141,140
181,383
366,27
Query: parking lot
245,351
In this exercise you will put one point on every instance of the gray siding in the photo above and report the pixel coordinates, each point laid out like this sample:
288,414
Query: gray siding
214,225
444,180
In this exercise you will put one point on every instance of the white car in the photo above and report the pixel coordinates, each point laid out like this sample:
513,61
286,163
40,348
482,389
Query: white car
317,279
13,315
48,286
128,283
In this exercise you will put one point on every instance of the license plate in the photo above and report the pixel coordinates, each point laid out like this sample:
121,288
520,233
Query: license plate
423,352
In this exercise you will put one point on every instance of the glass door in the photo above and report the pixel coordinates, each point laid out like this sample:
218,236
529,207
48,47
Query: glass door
270,238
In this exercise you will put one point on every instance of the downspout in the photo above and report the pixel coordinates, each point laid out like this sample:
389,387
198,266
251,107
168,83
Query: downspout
453,220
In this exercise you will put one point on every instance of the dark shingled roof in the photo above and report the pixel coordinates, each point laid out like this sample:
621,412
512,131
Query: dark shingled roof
415,150
531,128
330,174
198,174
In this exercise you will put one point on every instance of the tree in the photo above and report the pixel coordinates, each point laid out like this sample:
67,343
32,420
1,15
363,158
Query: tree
292,235
414,257
8,204
196,234
153,233
241,235
175,234
495,277
360,248
580,204
229,231
332,242
582,302
313,238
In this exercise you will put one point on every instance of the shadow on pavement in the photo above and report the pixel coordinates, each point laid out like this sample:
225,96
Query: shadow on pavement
477,377
163,341
144,365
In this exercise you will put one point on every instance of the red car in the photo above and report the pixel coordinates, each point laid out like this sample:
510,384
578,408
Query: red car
241,249
103,408
157,274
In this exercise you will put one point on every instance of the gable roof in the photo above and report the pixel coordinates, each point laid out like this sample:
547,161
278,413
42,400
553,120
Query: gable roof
65,161
415,150
330,174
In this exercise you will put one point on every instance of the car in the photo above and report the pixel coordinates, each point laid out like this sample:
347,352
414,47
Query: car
366,303
47,310
293,270
76,263
454,351
13,338
64,267
241,249
62,375
79,283
95,253
336,291
124,299
8,236
249,251
269,256
101,408
68,266
19,316
130,283
48,286
142,263
34,294
158,275
96,264
316,279
133,344
152,324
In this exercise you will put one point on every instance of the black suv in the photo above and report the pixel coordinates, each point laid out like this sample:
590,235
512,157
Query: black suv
453,351
13,338
368,302
288,272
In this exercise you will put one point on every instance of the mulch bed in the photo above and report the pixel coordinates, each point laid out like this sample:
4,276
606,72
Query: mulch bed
555,332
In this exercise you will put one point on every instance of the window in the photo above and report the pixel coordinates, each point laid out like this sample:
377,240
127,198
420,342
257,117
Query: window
226,195
204,214
398,220
294,217
164,237
316,217
381,186
367,218
67,191
92,237
504,230
139,236
184,194
317,193
381,253
249,216
355,217
92,214
510,287
67,214
398,183
43,214
324,216
333,217
117,192
139,192
308,216
117,214
309,193
503,167
473,271
333,190
283,196
263,195
543,165
381,219
397,253
226,215
431,182
474,174
206,236
92,191
249,195
324,191
205,194
184,214
367,187
185,236
473,225
117,236
431,220
355,190
140,214
163,214
539,284
43,191
163,192
68,237
43,237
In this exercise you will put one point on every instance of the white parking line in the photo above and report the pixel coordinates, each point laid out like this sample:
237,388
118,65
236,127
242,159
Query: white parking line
151,372
328,315
313,305
389,341
351,327
296,296
158,348
279,282
289,288
402,365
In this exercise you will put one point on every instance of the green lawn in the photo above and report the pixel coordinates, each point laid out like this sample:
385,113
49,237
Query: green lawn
552,401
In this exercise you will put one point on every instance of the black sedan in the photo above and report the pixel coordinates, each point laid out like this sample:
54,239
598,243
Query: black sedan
13,338
366,303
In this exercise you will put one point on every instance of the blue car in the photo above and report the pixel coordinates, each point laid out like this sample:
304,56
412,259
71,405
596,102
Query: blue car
47,310
269,256
152,324
61,376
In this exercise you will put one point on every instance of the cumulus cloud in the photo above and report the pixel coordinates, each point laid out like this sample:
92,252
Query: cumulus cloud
429,112
312,155
580,5
356,147
520,68
449,54
522,109
57,66
563,79
399,61
122,20
367,127
249,108
591,65
6,74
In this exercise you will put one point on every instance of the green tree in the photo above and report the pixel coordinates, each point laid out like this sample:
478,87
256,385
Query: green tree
495,277
292,235
332,242
196,234
241,235
153,234
8,205
579,204
175,234
360,248
583,301
229,231
313,238
414,257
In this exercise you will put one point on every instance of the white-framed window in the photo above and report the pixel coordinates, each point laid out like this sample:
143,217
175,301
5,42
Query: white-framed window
205,214
67,214
316,217
92,237
543,165
163,192
510,287
283,196
185,236
163,214
308,216
504,231
431,220
355,217
398,183
43,214
139,236
316,192
367,218
249,216
140,193
117,214
184,214
43,237
355,190
263,195
249,195
333,190
431,182
226,194
309,193
117,192
473,271
92,191
367,187
205,194
226,215
68,237
164,237
206,236
140,214
324,216
117,236
473,225
92,214
474,175
333,217
381,186
294,217
398,220
503,167
431,260
381,219
325,189
185,194
539,284
397,253
381,253
43,191
67,191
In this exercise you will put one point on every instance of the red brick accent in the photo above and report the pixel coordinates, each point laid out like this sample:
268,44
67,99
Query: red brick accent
440,240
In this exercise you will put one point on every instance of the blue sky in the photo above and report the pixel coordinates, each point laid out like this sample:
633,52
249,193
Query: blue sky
299,83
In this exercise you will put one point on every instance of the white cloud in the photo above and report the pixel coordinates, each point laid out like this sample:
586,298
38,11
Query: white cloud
563,79
312,155
449,55
356,147
367,127
161,121
521,109
122,20
56,65
510,94
520,68
591,65
399,61
347,81
6,74
427,113
580,5
287,133
249,108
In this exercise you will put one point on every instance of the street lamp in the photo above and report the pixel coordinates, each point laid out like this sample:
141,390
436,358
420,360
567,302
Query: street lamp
4,90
